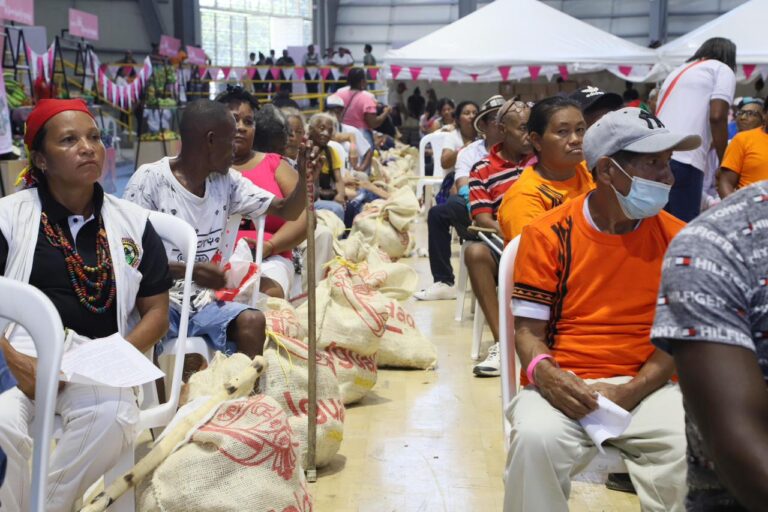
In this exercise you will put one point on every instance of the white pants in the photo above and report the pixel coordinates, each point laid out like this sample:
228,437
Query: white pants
547,448
323,253
97,425
280,270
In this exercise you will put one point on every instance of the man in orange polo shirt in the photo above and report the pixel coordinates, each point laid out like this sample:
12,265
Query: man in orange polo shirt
586,280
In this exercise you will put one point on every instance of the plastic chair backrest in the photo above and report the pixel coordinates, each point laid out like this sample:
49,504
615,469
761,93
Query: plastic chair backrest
437,141
182,236
507,326
32,309
230,241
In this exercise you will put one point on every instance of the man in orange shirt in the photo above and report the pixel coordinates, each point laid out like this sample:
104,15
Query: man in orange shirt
586,279
746,159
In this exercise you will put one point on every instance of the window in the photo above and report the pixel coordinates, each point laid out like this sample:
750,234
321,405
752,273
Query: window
231,29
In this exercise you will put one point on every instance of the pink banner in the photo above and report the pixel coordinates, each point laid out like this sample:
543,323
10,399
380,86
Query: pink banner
748,70
275,73
534,71
196,55
299,73
83,24
169,46
214,71
226,70
474,76
324,72
563,70
395,71
251,73
21,11
504,72
415,72
445,73
374,72
625,70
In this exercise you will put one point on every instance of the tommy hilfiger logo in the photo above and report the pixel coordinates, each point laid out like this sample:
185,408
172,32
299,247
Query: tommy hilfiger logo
760,335
760,198
747,230
763,281
662,301
688,332
683,261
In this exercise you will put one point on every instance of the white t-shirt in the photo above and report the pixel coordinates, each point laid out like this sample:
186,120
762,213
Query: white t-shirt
362,143
154,187
686,109
468,157
451,140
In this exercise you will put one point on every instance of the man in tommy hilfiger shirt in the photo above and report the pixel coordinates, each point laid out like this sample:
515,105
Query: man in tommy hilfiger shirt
712,316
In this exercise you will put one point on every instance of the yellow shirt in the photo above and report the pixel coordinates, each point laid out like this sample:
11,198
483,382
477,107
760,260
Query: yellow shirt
533,195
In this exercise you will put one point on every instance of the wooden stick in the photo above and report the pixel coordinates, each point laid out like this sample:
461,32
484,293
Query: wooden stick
237,387
311,469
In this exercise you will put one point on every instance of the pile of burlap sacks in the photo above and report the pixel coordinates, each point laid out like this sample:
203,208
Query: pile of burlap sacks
254,450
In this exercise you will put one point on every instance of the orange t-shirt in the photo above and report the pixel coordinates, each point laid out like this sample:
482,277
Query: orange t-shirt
747,156
601,289
533,195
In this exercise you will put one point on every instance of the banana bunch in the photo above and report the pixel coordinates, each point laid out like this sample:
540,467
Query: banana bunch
15,92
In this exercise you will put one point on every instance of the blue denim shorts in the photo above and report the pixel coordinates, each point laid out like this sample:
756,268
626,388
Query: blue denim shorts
209,323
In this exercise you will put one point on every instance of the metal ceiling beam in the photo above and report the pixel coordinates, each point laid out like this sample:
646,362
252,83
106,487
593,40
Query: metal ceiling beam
152,20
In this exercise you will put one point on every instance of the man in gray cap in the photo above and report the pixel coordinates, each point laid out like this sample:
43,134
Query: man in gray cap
585,290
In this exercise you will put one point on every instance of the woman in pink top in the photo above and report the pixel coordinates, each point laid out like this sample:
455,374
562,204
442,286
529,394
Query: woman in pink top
360,105
259,138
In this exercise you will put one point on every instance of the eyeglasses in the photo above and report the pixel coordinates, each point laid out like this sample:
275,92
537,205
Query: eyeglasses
749,113
516,106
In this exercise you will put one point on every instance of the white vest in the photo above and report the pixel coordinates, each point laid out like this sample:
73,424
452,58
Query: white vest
124,223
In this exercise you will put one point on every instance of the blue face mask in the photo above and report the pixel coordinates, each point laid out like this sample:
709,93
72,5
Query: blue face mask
646,198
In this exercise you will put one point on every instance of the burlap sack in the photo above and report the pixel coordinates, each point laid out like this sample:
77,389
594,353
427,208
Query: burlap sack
385,223
331,221
281,318
286,380
243,458
351,316
403,345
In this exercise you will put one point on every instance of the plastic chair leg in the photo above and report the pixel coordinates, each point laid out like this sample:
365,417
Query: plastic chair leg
461,286
477,333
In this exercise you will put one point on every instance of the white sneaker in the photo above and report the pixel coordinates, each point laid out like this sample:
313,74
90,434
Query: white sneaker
491,367
437,291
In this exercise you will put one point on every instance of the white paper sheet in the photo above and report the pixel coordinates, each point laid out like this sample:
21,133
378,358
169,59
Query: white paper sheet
608,421
110,361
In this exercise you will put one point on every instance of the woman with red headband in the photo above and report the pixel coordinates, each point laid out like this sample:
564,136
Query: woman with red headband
104,268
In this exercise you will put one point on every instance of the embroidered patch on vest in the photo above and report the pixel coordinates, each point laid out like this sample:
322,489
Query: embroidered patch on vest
132,256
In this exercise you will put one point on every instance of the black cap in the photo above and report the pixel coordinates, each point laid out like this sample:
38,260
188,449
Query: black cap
591,97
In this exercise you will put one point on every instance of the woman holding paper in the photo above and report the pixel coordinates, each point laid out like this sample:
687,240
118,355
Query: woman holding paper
104,268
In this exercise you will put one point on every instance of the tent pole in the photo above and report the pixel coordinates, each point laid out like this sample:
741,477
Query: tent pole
311,469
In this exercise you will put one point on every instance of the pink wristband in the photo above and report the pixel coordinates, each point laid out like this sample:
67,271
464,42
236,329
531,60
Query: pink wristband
534,362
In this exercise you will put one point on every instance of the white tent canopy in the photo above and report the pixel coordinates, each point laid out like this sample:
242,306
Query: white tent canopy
519,38
743,25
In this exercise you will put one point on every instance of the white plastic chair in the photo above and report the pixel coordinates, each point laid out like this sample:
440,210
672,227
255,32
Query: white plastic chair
181,235
437,141
611,461
196,344
31,309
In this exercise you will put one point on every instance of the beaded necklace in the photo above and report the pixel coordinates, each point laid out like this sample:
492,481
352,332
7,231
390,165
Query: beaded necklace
94,286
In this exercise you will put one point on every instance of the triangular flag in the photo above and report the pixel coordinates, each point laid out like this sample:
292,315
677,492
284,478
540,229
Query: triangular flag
288,73
334,73
226,70
299,71
214,71
324,71
534,71
236,74
415,72
201,71
625,70
311,73
563,70
474,76
374,72
504,72
275,73
749,69
251,73
445,73
395,71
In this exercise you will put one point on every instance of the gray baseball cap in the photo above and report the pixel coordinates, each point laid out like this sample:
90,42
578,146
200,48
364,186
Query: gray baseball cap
632,129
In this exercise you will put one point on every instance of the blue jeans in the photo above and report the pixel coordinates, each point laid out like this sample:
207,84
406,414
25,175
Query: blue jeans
355,206
685,197
324,204
209,323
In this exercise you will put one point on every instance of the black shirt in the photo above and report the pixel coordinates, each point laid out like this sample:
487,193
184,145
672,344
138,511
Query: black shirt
49,271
